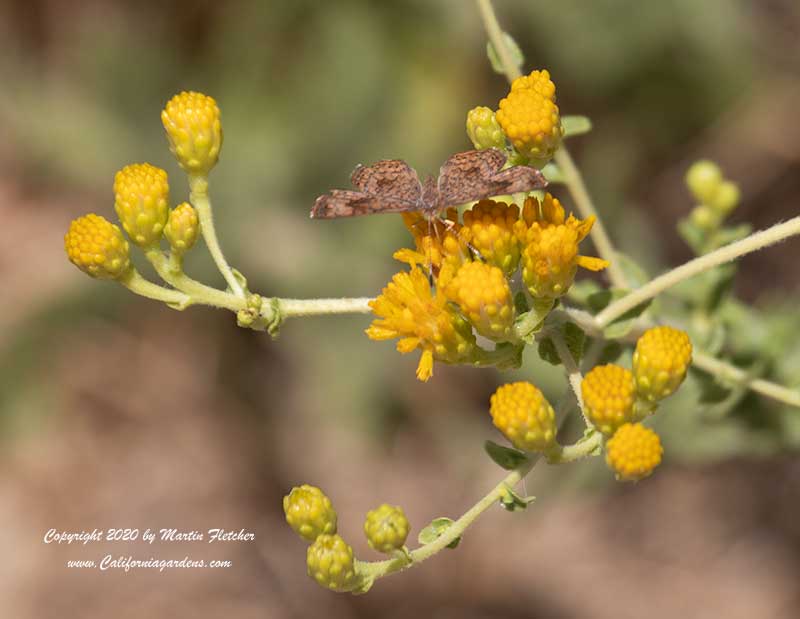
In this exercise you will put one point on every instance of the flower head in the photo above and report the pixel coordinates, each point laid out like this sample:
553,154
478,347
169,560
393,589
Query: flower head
386,528
194,131
141,199
608,393
529,117
309,512
490,228
521,412
660,361
550,256
484,130
182,228
438,242
482,293
331,563
408,309
97,247
633,452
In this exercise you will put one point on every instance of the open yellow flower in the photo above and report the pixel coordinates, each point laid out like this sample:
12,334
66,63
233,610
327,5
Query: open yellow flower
438,242
408,309
550,256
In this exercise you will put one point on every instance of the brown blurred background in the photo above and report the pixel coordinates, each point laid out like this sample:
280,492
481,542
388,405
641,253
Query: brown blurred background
118,412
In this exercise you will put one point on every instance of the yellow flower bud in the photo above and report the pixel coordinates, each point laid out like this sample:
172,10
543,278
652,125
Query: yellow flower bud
97,247
660,361
141,199
524,416
331,563
309,512
703,179
438,242
484,296
484,130
530,118
490,228
608,393
633,452
182,228
194,131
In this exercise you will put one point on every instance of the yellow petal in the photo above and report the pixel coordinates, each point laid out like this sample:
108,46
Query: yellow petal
593,264
380,333
425,367
407,344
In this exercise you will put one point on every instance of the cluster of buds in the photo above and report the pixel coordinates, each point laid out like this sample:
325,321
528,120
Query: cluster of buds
142,198
329,559
616,399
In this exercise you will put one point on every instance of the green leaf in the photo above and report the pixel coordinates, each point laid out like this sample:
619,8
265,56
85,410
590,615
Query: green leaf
505,457
553,173
575,339
598,301
580,292
494,58
575,125
610,353
635,275
521,302
513,502
547,351
623,324
435,530
694,236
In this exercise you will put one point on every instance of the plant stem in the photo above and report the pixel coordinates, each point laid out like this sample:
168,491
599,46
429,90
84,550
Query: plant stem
728,372
171,272
317,307
198,196
134,282
495,33
728,253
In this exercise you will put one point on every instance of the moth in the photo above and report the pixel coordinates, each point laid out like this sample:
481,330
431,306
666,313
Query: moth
392,186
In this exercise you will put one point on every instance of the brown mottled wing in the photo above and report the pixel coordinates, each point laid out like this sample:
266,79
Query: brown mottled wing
389,178
345,203
478,174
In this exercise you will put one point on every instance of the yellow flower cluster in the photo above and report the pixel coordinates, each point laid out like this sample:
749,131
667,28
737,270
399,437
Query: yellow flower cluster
633,452
550,256
662,356
484,296
608,394
472,263
521,412
309,512
331,563
141,199
407,308
386,528
484,130
194,131
529,117
97,247
182,228
491,229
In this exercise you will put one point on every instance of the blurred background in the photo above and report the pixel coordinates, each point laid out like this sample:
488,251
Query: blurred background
119,412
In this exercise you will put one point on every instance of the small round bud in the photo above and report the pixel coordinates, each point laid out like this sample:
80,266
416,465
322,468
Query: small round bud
309,512
97,247
484,130
530,118
524,416
330,562
660,361
182,228
490,228
608,393
703,178
633,452
726,198
386,528
484,296
704,217
194,130
141,199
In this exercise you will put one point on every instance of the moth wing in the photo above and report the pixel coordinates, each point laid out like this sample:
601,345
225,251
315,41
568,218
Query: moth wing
389,178
476,175
346,203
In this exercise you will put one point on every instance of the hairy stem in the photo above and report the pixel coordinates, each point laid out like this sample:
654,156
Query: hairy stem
198,196
317,307
134,282
728,253
495,33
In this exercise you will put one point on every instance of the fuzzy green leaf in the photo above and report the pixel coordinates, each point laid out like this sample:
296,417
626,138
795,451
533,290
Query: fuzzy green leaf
494,58
505,457
575,125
